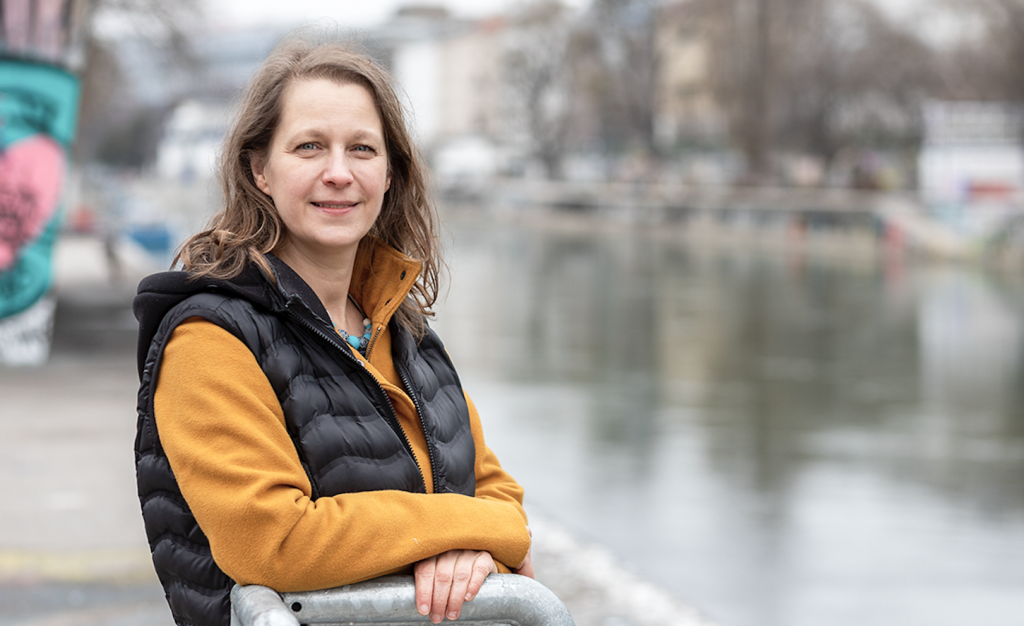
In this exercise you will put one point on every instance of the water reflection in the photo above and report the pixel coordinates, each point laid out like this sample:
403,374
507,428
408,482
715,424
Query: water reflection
779,441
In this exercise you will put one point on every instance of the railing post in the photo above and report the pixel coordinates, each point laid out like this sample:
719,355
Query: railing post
256,605
503,599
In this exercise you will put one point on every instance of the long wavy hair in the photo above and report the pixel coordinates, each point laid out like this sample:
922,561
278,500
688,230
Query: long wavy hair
249,225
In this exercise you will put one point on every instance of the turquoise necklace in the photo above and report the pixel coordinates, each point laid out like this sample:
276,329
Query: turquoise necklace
359,343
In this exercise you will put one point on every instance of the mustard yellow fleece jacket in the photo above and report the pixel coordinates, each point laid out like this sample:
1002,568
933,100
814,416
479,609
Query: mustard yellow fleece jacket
223,431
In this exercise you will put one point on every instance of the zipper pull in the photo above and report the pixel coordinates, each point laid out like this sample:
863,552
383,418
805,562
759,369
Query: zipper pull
373,339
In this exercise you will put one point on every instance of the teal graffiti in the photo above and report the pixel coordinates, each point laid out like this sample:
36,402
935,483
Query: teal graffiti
38,115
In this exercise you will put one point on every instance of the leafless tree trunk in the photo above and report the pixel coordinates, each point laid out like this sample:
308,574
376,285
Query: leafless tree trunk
991,66
758,114
537,66
105,105
621,36
813,75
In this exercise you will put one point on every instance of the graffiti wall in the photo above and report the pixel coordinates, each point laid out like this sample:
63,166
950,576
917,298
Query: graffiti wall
38,108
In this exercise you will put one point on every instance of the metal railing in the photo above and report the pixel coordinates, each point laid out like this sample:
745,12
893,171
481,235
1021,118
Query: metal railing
503,599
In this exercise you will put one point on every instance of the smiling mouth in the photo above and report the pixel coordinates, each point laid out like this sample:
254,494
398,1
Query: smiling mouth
335,205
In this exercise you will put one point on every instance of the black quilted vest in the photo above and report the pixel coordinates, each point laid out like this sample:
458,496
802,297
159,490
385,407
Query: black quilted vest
338,416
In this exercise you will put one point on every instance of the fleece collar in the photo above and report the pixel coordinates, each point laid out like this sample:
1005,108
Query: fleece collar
382,278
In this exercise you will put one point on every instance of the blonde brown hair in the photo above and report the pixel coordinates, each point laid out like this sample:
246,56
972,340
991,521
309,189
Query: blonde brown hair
249,225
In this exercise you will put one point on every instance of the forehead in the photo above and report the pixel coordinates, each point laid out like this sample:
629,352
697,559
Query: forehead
315,102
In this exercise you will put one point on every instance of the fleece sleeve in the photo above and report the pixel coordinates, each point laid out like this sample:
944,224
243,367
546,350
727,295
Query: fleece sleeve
224,434
492,482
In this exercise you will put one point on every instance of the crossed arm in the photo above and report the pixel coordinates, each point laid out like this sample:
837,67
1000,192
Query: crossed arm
444,582
223,430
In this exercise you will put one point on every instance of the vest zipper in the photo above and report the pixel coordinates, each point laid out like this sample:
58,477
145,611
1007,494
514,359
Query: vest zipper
393,422
426,436
373,339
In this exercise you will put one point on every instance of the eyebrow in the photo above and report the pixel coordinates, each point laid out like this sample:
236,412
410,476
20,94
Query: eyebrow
315,133
363,135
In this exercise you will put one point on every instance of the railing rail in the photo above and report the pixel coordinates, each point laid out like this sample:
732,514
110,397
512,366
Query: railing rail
503,599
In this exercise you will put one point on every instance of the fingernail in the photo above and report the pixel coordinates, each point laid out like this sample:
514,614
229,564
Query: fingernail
435,618
424,609
469,597
452,615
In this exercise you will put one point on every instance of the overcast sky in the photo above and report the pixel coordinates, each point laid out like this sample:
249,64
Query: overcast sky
229,14
360,13
370,12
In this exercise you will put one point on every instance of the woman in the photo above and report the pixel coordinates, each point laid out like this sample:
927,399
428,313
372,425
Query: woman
299,425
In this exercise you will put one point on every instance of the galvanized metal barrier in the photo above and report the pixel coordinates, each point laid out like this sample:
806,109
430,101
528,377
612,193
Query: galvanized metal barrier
503,599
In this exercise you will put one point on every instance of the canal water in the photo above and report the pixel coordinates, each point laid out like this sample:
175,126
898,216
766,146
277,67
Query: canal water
777,440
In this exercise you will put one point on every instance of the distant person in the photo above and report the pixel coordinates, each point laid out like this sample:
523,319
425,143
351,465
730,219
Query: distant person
300,426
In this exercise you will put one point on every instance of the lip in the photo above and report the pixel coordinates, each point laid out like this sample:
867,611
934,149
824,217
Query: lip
336,206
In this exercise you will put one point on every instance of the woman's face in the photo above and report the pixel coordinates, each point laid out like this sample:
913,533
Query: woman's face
326,168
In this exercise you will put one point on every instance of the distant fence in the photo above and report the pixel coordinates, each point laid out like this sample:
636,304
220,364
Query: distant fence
503,599
986,226
664,200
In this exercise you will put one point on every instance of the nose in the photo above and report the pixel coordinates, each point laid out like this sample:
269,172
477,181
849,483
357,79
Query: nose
337,170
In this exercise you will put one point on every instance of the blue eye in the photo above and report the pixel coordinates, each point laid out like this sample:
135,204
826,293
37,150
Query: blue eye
307,146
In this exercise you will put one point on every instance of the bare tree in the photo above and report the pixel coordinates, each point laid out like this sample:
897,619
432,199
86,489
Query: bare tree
854,78
812,75
750,44
536,63
111,124
617,45
989,65
808,76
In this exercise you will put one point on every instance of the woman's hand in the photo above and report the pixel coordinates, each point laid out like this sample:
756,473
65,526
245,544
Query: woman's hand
445,581
526,567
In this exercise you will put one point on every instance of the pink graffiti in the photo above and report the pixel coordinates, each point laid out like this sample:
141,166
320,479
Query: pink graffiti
31,172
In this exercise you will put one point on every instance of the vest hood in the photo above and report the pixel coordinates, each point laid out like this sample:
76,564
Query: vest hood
382,290
159,293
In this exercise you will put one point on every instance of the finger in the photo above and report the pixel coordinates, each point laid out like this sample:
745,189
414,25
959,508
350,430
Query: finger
461,578
526,567
483,566
424,576
443,573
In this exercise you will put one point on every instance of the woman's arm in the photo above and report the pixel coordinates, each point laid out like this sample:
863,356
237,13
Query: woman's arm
223,430
445,581
492,482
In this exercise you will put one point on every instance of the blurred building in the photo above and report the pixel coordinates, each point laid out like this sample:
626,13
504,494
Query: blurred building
213,65
192,138
972,151
449,68
449,71
470,104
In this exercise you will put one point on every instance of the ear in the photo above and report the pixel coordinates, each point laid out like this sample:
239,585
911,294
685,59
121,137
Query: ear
256,163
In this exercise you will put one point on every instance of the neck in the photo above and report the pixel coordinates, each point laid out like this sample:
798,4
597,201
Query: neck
329,276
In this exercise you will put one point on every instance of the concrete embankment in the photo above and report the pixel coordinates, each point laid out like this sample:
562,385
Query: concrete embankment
74,552
817,220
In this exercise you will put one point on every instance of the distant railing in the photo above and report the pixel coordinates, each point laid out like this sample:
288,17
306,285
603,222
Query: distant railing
503,599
